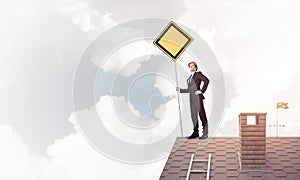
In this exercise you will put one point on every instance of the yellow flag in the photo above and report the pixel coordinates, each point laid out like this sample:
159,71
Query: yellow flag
282,105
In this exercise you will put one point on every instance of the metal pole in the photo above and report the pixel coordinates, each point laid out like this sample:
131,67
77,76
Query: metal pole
276,122
179,109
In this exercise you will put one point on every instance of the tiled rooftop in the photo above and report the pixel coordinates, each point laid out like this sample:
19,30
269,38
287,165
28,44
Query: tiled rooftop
282,159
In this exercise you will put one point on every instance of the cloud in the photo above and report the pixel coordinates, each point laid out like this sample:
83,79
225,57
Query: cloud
256,43
128,53
73,158
16,161
258,59
87,17
168,121
69,158
11,74
98,15
34,39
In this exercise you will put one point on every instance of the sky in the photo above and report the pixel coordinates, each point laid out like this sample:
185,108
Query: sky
255,42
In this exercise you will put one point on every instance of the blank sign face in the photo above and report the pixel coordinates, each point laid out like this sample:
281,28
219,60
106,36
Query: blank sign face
251,120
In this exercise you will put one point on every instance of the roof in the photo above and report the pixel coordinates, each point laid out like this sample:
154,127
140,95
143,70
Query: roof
282,159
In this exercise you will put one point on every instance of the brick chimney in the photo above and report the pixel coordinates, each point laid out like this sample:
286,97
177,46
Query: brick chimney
252,127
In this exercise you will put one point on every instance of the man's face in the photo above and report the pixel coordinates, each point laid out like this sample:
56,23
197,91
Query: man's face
193,68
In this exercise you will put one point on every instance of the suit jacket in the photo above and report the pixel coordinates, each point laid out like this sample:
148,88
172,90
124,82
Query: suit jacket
194,85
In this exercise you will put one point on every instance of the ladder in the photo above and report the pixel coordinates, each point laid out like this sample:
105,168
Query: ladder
190,170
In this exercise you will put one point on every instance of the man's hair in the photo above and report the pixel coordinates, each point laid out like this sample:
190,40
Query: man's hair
193,62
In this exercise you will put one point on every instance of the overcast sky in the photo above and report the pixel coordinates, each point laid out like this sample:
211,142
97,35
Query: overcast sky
255,42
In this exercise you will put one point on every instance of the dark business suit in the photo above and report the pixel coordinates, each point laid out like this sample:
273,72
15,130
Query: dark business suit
196,101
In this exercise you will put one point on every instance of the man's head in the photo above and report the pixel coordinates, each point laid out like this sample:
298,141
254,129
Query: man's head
193,66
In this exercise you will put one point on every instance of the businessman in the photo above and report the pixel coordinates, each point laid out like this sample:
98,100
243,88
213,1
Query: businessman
196,99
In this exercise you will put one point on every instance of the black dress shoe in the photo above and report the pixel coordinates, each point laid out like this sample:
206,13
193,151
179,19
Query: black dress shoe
204,136
193,136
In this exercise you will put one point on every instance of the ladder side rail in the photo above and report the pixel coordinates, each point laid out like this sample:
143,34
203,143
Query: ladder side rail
208,166
190,167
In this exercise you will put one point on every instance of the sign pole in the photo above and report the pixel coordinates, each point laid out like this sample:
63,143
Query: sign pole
173,41
179,109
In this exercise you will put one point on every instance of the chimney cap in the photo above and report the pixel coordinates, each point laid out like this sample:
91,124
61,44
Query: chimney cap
253,113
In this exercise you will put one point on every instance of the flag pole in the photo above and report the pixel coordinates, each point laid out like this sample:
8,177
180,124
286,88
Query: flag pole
276,121
179,109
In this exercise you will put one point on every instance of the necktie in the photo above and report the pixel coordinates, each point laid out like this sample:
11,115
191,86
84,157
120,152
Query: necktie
190,79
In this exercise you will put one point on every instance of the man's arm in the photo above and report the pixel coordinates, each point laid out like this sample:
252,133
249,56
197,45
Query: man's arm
182,90
205,80
204,87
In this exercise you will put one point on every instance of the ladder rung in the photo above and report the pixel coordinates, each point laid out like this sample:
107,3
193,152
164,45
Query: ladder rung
200,160
190,170
198,171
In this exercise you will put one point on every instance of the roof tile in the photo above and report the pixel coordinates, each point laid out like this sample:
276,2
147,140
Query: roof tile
282,159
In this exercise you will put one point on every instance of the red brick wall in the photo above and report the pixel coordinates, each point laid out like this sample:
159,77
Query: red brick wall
252,141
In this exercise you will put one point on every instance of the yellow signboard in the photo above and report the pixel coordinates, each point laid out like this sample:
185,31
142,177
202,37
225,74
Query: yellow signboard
173,41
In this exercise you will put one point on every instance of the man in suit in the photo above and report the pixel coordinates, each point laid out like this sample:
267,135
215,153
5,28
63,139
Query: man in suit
196,99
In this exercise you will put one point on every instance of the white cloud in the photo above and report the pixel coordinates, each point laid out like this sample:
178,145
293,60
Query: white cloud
86,17
165,86
167,124
256,44
96,15
25,11
69,158
16,161
127,53
10,74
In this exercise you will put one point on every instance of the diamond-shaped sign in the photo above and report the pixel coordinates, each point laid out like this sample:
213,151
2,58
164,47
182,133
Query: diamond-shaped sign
173,41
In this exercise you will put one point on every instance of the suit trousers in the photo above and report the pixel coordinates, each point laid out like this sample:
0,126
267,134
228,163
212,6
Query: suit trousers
197,107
